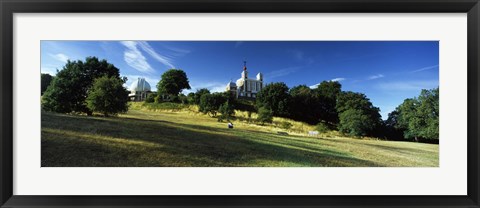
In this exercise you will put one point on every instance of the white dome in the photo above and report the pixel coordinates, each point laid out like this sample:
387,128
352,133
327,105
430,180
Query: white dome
140,85
231,84
239,82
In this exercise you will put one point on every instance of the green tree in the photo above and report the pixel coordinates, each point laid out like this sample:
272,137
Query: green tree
227,111
198,94
357,115
408,118
46,80
183,98
322,127
210,103
355,122
69,89
191,98
303,105
108,96
419,117
275,97
429,111
327,93
172,82
329,89
265,115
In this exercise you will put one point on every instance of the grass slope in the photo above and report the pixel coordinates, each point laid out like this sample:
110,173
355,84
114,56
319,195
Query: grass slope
178,139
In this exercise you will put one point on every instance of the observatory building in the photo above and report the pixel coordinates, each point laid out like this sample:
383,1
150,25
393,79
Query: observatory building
139,90
245,87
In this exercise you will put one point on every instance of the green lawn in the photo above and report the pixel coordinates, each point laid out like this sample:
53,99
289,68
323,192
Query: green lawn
143,138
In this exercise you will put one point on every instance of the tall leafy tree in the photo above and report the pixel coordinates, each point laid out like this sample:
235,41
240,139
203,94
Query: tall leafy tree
108,96
357,115
69,89
275,97
419,117
408,118
430,112
304,105
46,80
172,82
355,122
198,95
191,98
327,93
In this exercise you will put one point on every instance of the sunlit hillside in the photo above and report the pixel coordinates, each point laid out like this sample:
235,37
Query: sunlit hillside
182,137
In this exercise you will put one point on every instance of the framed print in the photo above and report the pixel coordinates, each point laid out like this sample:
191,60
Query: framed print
247,104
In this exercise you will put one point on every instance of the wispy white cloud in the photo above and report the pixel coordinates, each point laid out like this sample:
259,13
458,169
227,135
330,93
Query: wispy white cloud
177,51
314,86
281,72
134,57
212,86
415,85
160,58
424,68
60,57
339,79
377,76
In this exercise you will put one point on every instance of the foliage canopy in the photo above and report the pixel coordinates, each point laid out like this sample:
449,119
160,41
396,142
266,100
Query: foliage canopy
172,82
418,117
108,96
70,87
275,96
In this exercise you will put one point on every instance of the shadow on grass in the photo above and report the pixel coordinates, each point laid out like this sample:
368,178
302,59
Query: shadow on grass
403,150
66,142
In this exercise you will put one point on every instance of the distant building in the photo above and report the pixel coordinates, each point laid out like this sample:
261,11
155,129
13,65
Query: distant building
139,90
245,87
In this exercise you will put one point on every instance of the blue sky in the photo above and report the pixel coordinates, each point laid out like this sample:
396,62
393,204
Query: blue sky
386,71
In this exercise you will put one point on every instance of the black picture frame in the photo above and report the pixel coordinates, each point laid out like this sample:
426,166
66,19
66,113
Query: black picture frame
9,7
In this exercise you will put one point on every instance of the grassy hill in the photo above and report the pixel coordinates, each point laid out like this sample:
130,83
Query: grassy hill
149,137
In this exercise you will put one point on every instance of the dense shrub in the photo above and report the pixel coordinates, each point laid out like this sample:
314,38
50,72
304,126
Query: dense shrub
286,125
265,115
226,111
322,127
151,98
